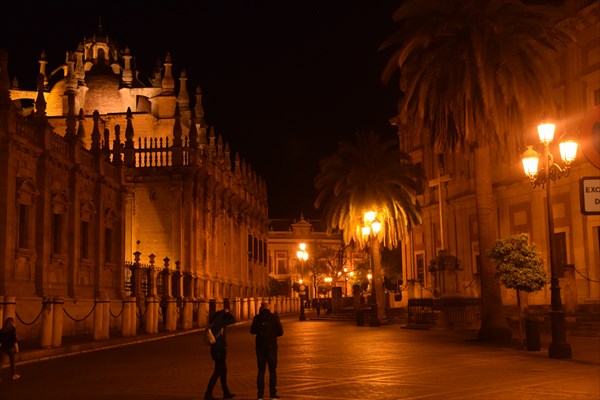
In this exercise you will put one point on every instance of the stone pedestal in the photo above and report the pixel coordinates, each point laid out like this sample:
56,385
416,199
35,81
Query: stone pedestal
202,313
129,318
188,314
251,307
151,317
47,316
236,308
101,319
171,314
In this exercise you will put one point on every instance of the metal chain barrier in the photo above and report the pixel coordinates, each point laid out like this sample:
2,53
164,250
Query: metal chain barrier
120,312
34,320
141,317
584,276
82,319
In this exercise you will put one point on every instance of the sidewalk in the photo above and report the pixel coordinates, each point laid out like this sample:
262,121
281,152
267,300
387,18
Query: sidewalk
31,352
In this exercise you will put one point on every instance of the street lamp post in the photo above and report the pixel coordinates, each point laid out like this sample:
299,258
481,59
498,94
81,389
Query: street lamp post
371,230
302,255
559,348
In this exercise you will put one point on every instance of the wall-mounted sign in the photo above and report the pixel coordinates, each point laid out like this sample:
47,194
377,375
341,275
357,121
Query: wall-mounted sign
590,194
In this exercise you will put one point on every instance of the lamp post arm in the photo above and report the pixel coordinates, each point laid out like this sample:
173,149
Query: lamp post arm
550,171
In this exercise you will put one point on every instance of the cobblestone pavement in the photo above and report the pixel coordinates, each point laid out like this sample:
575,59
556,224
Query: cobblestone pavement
320,360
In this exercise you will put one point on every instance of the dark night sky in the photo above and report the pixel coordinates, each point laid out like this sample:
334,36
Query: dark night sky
282,80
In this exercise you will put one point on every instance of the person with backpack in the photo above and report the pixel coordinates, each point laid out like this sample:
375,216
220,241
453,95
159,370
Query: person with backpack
267,328
218,352
9,345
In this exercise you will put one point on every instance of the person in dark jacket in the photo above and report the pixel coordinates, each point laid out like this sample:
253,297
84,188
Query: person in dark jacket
9,345
218,352
267,328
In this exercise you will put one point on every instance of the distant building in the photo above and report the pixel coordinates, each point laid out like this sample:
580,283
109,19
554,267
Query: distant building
107,171
520,208
329,263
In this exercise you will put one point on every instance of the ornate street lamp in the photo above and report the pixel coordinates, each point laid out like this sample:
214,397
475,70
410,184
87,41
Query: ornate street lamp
370,230
302,255
559,348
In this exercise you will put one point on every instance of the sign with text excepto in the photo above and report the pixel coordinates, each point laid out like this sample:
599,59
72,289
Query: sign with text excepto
590,195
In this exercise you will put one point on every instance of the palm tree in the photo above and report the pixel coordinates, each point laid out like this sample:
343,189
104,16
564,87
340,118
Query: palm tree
469,70
371,174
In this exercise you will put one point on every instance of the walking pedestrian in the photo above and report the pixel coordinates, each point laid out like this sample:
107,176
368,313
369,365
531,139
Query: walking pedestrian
218,352
9,345
267,328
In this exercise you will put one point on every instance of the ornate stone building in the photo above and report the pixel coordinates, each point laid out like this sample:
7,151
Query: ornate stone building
449,217
113,186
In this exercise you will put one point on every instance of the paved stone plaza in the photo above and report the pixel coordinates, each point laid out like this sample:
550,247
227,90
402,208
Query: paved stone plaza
320,360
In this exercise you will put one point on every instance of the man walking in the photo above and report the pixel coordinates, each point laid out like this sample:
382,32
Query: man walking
267,328
218,352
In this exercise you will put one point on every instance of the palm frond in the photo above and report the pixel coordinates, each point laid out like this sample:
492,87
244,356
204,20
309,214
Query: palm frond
370,173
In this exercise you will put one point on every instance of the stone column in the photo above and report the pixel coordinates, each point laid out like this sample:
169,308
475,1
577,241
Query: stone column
57,322
151,322
106,318
98,319
47,316
202,313
251,307
171,304
171,314
236,308
188,313
129,323
152,300
244,311
177,282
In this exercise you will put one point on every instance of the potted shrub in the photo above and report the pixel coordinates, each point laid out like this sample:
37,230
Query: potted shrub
519,267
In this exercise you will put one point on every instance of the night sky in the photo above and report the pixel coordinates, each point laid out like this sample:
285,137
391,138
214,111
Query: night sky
282,80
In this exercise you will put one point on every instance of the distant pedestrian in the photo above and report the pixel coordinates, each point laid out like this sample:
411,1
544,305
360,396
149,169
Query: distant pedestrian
9,345
218,352
267,328
318,307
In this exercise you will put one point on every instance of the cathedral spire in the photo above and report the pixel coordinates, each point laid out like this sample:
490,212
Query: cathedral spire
71,133
127,72
96,134
177,131
168,83
129,151
81,127
43,62
184,97
116,149
157,73
40,101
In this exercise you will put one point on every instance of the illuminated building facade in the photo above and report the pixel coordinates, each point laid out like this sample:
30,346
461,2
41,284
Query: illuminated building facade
113,187
449,217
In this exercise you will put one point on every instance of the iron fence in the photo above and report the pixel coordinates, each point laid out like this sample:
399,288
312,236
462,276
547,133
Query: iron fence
446,312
